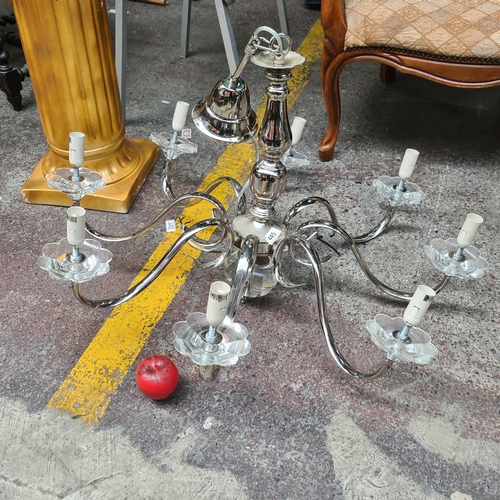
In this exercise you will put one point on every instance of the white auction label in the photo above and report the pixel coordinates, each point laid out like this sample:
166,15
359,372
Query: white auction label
170,225
272,235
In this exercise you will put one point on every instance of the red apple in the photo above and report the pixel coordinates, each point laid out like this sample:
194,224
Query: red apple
157,377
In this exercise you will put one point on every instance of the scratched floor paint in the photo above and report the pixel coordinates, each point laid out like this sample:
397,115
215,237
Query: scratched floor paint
364,470
49,456
64,458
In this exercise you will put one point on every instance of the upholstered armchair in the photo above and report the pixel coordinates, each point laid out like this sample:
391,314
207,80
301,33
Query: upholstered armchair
453,42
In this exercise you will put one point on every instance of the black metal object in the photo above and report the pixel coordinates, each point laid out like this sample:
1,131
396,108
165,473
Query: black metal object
313,4
11,78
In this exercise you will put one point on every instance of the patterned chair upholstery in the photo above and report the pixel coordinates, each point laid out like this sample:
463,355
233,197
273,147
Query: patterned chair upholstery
453,42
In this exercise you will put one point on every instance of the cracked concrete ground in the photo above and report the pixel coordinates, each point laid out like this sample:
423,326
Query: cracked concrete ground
285,422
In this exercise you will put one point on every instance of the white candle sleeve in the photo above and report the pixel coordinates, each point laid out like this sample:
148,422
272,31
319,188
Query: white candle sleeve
297,128
180,115
418,305
75,219
469,230
218,299
76,148
408,164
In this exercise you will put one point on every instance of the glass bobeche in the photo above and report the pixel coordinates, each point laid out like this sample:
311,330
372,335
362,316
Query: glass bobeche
383,330
88,182
56,260
471,264
410,195
188,337
294,159
173,149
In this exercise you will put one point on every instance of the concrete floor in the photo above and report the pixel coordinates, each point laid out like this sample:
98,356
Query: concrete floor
285,422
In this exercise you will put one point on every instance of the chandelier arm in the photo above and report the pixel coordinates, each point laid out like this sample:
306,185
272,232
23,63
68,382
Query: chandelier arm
364,267
246,263
169,192
204,246
167,179
278,271
214,262
306,203
325,324
177,203
159,267
238,190
240,208
379,228
306,262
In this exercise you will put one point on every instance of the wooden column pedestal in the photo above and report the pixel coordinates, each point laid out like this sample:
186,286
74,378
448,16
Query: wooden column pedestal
67,46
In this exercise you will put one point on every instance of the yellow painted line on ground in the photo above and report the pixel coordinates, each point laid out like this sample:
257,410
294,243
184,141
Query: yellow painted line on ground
88,389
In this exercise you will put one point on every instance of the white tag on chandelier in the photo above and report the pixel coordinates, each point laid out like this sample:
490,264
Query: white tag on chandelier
272,235
170,226
186,133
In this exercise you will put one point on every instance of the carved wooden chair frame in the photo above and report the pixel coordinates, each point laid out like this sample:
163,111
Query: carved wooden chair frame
464,72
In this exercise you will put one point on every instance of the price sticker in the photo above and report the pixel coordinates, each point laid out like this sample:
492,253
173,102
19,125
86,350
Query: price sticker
170,226
272,235
186,133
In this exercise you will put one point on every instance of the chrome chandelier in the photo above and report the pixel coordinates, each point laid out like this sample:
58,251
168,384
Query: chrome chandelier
253,241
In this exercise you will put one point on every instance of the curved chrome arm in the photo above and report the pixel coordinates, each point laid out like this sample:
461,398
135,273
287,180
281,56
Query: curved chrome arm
167,178
379,228
176,203
306,203
168,190
240,191
246,262
407,296
240,208
296,209
161,265
325,324
364,238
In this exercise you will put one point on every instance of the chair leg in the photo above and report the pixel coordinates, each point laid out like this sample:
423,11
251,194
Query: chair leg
10,77
387,73
226,29
185,27
330,73
285,28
